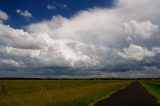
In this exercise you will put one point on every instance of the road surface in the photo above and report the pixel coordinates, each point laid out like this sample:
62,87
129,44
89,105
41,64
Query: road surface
133,95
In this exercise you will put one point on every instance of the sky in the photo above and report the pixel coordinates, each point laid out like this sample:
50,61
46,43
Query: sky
46,9
80,38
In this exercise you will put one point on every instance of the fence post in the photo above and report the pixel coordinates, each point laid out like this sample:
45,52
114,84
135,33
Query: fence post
3,89
30,89
47,87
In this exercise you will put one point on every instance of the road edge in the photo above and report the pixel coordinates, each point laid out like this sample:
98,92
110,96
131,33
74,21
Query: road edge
108,95
158,101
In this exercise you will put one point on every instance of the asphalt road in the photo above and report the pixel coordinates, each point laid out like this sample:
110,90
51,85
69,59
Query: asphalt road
133,95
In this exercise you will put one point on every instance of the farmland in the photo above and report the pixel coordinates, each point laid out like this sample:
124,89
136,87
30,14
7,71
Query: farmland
153,87
56,92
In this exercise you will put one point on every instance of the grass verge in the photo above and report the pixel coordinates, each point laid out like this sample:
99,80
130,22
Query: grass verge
153,87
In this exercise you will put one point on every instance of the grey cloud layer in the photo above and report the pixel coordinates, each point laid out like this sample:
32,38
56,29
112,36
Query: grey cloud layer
115,42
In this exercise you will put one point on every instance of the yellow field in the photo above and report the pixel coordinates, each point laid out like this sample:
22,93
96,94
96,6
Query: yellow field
56,92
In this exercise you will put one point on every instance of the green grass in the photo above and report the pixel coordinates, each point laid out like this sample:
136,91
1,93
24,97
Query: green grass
56,92
153,86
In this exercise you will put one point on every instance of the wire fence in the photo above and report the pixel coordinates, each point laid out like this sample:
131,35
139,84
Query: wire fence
26,87
30,88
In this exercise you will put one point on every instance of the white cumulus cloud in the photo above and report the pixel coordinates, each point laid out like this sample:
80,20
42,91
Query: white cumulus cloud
49,6
142,29
24,13
136,52
3,16
104,39
55,5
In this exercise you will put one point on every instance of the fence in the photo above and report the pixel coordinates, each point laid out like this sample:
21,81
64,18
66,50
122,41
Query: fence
30,88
